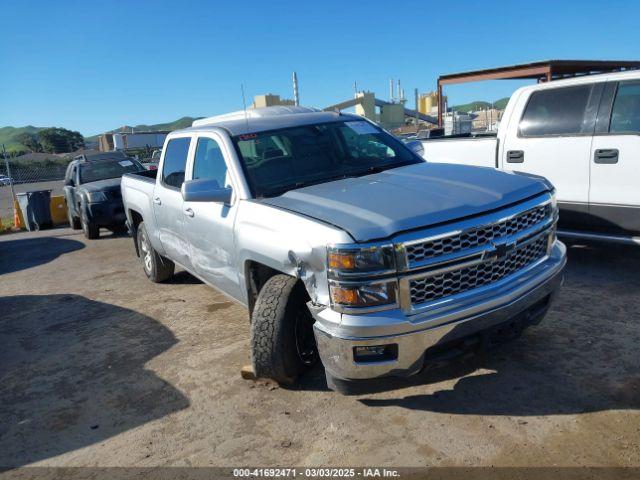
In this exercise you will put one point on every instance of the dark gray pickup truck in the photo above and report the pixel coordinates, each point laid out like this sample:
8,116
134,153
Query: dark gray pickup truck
92,193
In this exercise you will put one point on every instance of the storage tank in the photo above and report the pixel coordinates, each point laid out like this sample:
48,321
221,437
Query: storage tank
428,103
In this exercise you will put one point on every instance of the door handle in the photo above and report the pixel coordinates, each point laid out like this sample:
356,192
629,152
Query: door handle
157,200
515,156
606,155
189,212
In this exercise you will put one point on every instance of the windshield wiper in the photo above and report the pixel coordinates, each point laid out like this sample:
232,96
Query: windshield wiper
361,173
297,185
377,169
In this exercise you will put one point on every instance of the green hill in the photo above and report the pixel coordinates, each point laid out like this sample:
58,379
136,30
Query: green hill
480,105
501,104
9,135
175,125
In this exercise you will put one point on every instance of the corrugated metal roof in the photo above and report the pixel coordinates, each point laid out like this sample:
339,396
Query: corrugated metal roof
557,67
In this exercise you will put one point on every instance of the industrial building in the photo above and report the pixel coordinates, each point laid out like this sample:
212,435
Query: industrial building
428,103
270,100
108,142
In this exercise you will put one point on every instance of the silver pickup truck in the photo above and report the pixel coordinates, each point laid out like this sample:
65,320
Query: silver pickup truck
344,244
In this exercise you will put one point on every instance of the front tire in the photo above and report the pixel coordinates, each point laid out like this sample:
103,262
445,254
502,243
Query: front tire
282,341
155,266
91,231
74,222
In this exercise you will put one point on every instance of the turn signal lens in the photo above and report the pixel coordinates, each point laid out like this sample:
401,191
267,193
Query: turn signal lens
342,261
344,296
368,295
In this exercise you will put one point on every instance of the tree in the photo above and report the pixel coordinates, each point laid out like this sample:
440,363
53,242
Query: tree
30,141
60,140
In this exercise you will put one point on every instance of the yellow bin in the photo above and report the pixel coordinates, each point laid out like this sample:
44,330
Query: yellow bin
58,207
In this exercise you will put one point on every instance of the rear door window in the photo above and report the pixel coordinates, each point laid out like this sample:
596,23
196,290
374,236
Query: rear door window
625,115
558,111
175,161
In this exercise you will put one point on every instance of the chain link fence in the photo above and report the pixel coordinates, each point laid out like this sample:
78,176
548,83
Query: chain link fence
26,177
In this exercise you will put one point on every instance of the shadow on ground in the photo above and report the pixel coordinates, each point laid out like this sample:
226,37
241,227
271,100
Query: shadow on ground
183,278
72,373
583,357
31,252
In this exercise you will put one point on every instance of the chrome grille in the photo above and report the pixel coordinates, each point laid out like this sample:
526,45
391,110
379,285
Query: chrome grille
457,281
474,237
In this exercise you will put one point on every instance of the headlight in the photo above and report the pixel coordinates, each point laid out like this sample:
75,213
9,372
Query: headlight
352,272
366,295
353,260
96,197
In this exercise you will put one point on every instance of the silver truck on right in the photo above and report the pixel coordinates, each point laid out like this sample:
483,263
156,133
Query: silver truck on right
583,134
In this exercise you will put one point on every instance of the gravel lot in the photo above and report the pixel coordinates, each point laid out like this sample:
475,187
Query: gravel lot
100,367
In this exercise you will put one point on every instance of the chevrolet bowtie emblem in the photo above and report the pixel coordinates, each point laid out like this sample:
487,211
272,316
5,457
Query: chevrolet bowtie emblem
503,249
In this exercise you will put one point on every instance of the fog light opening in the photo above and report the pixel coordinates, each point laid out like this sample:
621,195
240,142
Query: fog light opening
375,353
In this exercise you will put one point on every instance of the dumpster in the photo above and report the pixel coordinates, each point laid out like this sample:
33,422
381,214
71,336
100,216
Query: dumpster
58,210
35,209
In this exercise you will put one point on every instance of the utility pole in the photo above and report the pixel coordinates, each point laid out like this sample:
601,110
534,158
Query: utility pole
296,96
6,163
415,94
13,192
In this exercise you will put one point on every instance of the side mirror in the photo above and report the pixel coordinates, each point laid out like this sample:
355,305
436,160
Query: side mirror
416,147
69,182
205,190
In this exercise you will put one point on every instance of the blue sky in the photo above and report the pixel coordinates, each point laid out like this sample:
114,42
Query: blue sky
96,65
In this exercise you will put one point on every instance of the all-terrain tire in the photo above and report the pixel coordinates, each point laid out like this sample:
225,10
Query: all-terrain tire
279,314
90,230
74,222
155,266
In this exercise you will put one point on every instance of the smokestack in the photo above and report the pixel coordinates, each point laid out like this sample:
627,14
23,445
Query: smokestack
415,94
296,97
391,89
399,91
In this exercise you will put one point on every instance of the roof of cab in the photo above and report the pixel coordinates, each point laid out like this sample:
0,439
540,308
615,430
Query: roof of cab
267,118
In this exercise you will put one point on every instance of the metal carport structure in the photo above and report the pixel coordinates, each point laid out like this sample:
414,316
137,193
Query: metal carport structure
543,71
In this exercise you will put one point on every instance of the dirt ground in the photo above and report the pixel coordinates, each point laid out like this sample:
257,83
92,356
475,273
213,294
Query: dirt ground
100,367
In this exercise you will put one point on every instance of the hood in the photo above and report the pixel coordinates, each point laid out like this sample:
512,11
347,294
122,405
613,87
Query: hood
102,185
380,205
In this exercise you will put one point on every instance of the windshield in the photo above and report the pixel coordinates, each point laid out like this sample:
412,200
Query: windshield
282,160
92,172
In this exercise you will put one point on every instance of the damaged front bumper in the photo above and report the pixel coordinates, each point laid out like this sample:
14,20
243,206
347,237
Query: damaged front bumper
403,340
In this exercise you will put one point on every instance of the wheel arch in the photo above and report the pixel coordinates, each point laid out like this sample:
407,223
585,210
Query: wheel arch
256,274
136,219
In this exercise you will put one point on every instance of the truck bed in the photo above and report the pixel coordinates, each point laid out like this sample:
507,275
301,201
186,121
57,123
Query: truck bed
147,175
480,151
137,195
